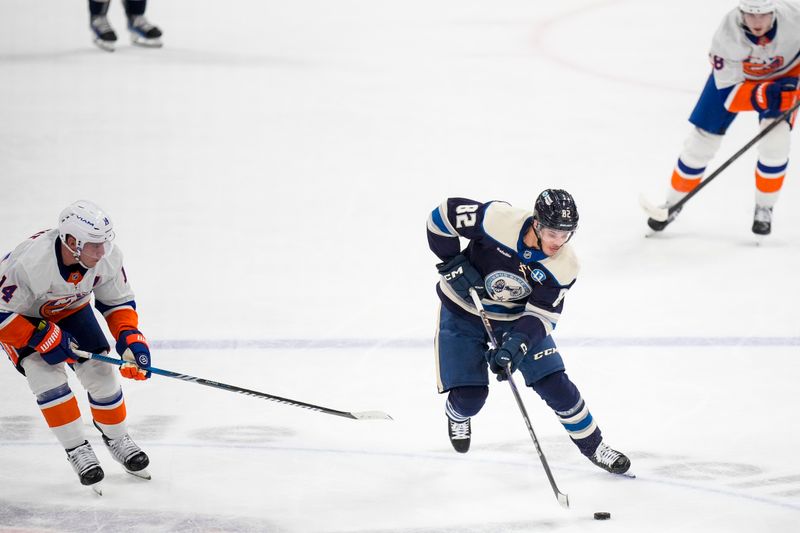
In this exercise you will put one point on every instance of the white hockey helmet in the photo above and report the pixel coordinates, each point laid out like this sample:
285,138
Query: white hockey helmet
756,7
87,223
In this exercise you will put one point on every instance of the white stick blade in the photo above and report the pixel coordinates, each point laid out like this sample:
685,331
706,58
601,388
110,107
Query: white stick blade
656,213
563,499
372,415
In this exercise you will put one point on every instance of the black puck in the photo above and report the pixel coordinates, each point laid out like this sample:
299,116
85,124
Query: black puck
602,516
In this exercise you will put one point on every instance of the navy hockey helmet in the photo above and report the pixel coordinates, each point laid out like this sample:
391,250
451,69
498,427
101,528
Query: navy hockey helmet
556,209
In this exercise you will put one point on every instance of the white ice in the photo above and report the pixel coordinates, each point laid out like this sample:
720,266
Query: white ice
269,172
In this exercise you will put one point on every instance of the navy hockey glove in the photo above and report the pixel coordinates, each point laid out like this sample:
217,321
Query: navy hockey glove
772,97
462,276
53,343
133,348
512,350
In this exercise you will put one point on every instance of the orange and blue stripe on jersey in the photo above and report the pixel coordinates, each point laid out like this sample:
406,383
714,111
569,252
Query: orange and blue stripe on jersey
15,330
769,179
120,317
686,178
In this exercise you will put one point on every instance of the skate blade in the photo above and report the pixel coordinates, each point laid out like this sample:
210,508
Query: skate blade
146,43
142,474
107,46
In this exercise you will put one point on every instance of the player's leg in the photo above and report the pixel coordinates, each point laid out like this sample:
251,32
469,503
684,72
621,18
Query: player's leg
60,410
710,120
773,159
102,385
543,370
104,34
461,371
143,33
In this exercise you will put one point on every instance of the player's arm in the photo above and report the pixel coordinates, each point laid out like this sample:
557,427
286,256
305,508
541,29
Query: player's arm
19,330
739,94
454,218
115,301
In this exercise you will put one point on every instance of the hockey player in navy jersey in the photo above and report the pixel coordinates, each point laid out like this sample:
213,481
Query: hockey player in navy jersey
142,32
522,266
755,61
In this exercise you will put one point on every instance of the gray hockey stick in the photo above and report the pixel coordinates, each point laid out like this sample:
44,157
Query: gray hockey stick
364,415
662,213
562,498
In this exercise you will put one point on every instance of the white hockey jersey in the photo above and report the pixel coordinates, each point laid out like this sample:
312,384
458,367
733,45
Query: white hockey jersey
32,285
735,58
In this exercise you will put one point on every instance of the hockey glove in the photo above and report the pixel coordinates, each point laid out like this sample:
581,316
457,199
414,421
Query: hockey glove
512,350
53,343
772,97
462,276
132,347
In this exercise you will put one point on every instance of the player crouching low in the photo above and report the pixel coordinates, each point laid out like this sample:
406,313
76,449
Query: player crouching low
521,266
46,324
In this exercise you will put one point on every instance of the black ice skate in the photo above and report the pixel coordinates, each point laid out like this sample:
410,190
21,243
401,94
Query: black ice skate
104,35
762,220
610,459
129,455
143,33
85,464
460,434
657,225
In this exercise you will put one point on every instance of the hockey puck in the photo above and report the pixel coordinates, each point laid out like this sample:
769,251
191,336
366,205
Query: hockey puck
602,516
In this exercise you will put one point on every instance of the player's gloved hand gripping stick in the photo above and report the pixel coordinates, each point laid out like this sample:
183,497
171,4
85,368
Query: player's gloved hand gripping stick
365,415
562,498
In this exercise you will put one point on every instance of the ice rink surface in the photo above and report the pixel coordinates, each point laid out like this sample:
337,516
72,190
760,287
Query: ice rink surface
269,172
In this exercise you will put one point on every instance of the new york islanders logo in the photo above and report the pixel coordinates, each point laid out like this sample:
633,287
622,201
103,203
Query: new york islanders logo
759,68
504,286
53,308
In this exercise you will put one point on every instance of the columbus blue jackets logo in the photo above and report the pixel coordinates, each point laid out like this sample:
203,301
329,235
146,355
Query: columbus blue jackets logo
504,286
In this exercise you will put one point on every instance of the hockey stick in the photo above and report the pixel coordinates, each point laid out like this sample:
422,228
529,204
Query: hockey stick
365,415
662,214
562,498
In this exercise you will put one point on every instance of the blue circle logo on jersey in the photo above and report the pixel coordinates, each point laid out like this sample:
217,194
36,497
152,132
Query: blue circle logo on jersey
505,286
538,275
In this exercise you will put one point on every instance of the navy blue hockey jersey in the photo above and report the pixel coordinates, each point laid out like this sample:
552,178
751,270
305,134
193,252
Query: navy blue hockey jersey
522,284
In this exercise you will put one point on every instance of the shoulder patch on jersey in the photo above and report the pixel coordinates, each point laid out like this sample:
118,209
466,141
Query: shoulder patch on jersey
563,265
503,222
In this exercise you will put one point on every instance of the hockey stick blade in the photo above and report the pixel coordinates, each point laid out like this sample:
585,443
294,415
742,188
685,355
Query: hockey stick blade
371,415
656,213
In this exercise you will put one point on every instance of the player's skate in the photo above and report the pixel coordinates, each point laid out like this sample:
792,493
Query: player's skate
104,34
129,455
610,459
460,434
657,225
85,464
143,33
762,220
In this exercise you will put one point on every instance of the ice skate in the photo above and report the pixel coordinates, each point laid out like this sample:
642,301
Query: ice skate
104,35
610,459
143,33
129,455
762,220
85,464
460,434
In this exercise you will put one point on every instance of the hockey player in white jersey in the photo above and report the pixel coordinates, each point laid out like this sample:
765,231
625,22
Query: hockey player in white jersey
755,57
46,321
142,32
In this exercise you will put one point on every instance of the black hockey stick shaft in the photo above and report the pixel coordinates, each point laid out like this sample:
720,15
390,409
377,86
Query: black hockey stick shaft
562,498
783,116
366,415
